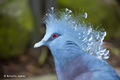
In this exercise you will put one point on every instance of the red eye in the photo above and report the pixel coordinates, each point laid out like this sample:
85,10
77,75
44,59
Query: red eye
54,35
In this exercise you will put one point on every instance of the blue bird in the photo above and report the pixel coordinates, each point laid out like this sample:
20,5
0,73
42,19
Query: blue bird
76,47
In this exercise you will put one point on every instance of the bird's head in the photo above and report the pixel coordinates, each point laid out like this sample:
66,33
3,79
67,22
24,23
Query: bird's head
57,34
62,27
58,31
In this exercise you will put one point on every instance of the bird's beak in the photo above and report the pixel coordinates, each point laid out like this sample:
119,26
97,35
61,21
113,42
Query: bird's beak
39,44
42,42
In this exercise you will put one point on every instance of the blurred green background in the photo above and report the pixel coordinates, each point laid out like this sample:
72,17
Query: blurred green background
21,27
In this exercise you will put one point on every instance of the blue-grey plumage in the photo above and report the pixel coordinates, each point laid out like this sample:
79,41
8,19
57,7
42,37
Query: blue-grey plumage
76,47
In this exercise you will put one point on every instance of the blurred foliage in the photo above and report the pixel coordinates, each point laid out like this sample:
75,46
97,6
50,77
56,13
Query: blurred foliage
115,50
100,12
43,56
15,27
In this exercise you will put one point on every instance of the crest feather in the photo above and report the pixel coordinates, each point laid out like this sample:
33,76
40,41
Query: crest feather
89,39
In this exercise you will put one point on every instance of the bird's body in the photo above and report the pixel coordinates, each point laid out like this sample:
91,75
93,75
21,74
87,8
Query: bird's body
82,66
76,48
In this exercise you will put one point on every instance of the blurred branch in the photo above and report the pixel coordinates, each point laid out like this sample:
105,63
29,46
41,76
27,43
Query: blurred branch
118,1
36,11
39,8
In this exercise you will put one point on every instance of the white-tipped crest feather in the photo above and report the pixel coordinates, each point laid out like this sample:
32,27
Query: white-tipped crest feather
89,39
